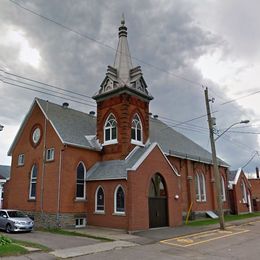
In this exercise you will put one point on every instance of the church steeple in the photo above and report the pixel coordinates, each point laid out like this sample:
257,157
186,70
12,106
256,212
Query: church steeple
123,61
122,76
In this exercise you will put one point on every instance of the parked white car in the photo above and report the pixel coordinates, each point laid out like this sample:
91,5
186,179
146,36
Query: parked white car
14,220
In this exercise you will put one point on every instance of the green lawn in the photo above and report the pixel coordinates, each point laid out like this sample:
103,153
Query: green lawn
12,249
73,233
228,218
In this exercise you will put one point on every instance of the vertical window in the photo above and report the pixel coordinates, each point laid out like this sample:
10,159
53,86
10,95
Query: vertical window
20,159
100,200
119,200
110,129
50,154
136,129
33,182
223,190
200,187
81,186
244,193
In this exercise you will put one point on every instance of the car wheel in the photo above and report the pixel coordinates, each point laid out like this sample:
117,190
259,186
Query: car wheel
8,228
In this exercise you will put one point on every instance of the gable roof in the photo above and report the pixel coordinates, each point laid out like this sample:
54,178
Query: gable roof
117,169
178,145
79,129
233,177
5,171
72,126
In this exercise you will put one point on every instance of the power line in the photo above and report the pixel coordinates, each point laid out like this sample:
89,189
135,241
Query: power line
46,93
256,153
45,84
102,43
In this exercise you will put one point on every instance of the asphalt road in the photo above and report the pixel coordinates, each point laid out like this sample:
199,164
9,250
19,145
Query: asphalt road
243,245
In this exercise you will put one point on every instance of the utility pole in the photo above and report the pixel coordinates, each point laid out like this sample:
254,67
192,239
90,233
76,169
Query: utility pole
215,165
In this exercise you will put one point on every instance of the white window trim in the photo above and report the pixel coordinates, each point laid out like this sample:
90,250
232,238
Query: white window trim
31,182
135,141
52,152
244,193
115,204
223,195
84,195
200,176
21,158
98,210
110,141
79,226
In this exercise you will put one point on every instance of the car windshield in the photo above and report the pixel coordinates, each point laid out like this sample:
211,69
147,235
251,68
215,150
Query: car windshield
16,214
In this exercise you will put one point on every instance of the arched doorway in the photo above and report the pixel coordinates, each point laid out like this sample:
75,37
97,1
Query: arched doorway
158,203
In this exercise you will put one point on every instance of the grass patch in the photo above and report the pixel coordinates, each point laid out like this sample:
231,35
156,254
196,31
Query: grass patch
61,231
228,218
12,249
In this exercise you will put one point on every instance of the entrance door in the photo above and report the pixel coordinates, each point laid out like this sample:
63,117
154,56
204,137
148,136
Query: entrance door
158,203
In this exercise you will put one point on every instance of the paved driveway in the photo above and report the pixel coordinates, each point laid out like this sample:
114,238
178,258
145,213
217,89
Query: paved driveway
53,241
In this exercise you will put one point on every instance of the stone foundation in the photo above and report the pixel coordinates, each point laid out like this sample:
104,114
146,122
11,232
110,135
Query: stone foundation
52,220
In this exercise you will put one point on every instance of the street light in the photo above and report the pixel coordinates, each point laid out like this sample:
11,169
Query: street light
1,127
241,122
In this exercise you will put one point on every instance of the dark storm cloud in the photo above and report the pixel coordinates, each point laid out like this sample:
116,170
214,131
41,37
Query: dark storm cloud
161,33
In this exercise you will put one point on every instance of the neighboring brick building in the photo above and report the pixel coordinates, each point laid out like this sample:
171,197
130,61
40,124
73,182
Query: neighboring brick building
255,189
239,192
121,169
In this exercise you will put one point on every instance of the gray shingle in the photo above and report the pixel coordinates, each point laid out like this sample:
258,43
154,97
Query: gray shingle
232,175
5,171
175,143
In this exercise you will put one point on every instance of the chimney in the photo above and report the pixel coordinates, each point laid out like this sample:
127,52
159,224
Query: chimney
65,105
92,113
257,173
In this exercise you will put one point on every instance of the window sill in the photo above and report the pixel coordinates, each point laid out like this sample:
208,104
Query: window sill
120,214
80,200
201,201
99,213
20,165
49,161
137,142
31,200
110,142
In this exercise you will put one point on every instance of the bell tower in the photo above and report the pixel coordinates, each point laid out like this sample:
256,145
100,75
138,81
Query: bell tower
122,104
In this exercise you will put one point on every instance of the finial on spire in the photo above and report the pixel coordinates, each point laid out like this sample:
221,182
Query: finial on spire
123,19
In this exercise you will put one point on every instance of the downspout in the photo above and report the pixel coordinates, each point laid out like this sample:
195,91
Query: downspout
58,191
43,161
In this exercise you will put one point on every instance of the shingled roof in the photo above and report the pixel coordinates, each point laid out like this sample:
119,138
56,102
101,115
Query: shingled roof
77,128
5,171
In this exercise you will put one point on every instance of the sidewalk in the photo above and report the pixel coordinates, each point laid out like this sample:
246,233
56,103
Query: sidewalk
123,240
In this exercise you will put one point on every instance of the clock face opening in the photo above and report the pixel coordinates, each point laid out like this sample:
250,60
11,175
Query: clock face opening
36,135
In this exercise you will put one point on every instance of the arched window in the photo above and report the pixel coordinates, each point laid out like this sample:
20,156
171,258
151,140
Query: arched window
223,190
200,187
100,200
81,185
136,129
33,181
119,200
157,187
244,193
110,129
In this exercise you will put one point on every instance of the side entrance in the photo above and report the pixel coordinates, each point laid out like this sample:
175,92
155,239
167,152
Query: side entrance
158,202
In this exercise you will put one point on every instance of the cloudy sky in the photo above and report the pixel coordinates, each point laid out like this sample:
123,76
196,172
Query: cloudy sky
181,45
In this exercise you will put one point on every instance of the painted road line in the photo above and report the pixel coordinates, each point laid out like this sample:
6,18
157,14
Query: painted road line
203,237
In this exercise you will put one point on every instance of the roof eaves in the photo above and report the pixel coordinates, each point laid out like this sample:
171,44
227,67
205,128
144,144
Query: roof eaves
104,179
46,116
83,146
9,153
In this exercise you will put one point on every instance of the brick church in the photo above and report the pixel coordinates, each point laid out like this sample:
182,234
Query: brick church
122,168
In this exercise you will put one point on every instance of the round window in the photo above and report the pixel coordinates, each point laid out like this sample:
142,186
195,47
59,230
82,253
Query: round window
36,135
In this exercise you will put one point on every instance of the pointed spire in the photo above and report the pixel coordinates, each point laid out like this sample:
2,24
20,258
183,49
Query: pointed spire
123,61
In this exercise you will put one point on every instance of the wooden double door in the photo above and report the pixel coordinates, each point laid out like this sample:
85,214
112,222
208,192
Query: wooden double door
158,202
